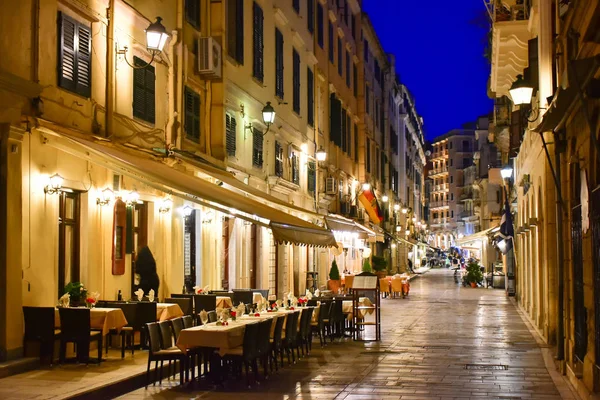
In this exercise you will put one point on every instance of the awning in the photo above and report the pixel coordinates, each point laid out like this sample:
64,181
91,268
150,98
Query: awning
286,228
228,178
579,72
475,236
342,224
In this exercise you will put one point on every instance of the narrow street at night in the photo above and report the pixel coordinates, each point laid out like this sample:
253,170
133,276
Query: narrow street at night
443,341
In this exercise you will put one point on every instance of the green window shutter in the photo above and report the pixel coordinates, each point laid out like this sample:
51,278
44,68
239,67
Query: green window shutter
84,61
312,178
296,81
192,115
335,120
278,63
230,134
310,94
143,91
257,148
239,33
74,60
310,16
258,42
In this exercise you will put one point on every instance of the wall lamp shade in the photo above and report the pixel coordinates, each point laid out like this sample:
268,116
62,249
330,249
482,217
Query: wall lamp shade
384,198
165,206
398,228
321,154
396,207
132,198
506,172
106,196
54,185
187,211
156,36
268,113
414,219
366,186
521,91
407,232
404,210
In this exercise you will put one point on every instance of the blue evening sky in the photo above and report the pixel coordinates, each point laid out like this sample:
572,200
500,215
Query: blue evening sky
439,47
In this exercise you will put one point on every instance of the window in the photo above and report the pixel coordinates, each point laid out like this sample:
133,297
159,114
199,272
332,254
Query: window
278,159
230,134
295,168
377,72
450,144
377,113
296,5
235,30
335,120
340,57
466,145
258,69
451,162
310,16
452,214
331,49
278,63
344,145
192,13
192,115
368,156
68,239
394,140
310,97
355,79
74,64
353,26
296,82
466,162
367,100
451,179
143,91
366,55
348,135
320,33
257,148
452,196
348,66
312,177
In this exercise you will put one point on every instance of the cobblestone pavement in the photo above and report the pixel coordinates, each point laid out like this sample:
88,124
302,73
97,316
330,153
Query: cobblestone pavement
442,342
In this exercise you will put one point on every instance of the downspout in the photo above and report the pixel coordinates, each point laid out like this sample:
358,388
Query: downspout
208,90
560,335
110,69
179,80
169,134
35,42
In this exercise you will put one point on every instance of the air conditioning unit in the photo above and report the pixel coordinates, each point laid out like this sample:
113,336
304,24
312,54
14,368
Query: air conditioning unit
330,186
209,57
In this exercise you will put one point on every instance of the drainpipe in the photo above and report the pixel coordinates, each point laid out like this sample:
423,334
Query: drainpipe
169,134
177,141
110,69
560,335
35,42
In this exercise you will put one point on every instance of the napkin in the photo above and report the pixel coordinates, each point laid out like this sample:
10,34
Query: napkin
65,300
264,303
197,289
140,294
241,308
317,293
151,295
308,294
219,312
95,296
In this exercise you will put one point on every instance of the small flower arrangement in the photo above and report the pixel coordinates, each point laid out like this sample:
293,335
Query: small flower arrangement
222,323
91,302
302,301
257,314
232,314
76,291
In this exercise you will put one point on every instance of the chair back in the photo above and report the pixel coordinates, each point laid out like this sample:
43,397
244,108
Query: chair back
146,313
301,327
324,311
336,313
293,326
396,285
250,344
166,334
130,312
205,302
188,321
39,323
278,330
305,325
264,334
312,302
177,327
75,323
241,296
212,316
153,336
186,304
384,285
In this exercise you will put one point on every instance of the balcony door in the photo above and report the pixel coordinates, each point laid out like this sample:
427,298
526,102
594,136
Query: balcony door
68,239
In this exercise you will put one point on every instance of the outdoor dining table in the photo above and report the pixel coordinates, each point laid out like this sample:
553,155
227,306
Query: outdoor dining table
167,311
362,302
103,319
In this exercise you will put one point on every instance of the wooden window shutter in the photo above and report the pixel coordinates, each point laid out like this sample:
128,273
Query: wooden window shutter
310,94
192,12
335,121
258,43
278,63
355,143
257,148
231,30
344,144
143,91
239,33
310,16
74,48
320,30
119,237
278,159
230,133
340,57
192,114
296,81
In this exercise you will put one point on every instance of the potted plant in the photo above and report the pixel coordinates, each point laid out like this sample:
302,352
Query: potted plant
474,274
380,265
334,281
366,267
77,293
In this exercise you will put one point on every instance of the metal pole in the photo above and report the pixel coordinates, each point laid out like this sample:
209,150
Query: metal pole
560,336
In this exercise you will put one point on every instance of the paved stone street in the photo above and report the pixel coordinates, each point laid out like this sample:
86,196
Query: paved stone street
442,342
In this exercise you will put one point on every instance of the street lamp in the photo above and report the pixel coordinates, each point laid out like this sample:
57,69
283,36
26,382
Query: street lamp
156,37
398,228
366,186
320,155
521,91
506,172
396,207
404,210
385,198
105,197
268,113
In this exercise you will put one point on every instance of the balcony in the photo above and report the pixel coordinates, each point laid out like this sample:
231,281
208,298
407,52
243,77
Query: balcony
438,204
439,154
439,171
439,188
510,38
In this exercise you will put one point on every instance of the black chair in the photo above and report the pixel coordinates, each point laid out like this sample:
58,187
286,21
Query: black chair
247,353
188,321
321,326
127,332
263,344
336,320
145,314
177,324
242,296
276,342
312,303
156,353
212,316
75,328
291,331
205,302
186,304
39,327
304,339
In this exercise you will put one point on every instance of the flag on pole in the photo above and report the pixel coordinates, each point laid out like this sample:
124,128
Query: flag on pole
369,202
507,231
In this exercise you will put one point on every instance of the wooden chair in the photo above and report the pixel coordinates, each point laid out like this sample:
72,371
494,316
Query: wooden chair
186,304
205,302
145,314
396,286
264,344
384,287
75,328
276,342
39,327
291,332
321,326
188,321
156,353
126,332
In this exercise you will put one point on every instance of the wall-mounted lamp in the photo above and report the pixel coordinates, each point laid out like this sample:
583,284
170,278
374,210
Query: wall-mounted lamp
268,113
407,232
156,37
414,219
165,205
131,198
54,184
404,210
396,207
506,172
187,211
398,228
384,198
393,245
521,93
321,154
106,196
